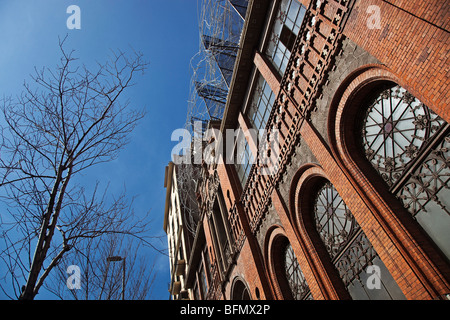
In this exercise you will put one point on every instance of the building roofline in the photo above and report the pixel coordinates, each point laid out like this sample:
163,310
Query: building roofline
197,247
168,184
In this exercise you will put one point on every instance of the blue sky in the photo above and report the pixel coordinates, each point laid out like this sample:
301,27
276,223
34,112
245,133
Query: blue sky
166,32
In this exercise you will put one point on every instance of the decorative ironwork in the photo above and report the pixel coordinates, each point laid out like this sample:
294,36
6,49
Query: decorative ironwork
348,246
395,127
211,186
355,259
429,182
213,289
228,255
408,144
294,275
333,219
238,233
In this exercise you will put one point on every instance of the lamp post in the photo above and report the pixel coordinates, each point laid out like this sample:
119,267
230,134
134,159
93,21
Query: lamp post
118,258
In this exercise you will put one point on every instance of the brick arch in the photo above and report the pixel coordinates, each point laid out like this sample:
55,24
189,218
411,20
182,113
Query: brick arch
274,241
409,247
354,86
351,92
239,284
321,275
343,110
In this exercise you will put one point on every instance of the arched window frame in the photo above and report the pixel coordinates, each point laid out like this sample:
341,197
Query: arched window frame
306,184
288,282
428,265
239,289
348,247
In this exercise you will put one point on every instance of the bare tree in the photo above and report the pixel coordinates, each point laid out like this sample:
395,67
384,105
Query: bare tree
71,119
102,279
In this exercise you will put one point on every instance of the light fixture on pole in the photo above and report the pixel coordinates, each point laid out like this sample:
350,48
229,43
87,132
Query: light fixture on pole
118,258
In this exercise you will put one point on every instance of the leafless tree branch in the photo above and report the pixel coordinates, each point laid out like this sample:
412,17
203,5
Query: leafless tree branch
70,119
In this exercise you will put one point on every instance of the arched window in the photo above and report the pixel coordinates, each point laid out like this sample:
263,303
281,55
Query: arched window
363,273
288,278
294,275
408,145
240,291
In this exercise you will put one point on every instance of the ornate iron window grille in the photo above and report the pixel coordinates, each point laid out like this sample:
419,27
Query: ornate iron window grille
334,221
396,127
428,180
349,249
294,275
408,145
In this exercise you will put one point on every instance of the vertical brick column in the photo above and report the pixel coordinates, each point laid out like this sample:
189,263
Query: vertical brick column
250,253
305,2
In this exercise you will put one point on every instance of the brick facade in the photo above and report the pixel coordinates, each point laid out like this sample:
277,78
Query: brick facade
335,63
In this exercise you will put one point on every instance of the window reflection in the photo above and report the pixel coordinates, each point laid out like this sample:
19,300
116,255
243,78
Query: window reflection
349,249
284,31
243,158
408,145
261,105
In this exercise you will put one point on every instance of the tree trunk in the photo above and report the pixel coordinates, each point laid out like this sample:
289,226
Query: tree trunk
46,234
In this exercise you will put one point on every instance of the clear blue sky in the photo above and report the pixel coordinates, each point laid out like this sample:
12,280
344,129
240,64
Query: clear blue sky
166,32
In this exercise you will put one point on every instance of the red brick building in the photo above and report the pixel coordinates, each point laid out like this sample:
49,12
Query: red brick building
357,95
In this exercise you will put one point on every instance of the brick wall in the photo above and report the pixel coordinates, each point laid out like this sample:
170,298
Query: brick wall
409,48
413,42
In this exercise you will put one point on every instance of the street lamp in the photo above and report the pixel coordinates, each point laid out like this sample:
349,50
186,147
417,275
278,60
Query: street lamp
118,258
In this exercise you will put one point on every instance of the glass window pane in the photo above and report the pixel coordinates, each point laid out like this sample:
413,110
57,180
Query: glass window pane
243,159
356,290
294,275
261,104
348,247
289,18
293,10
397,129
